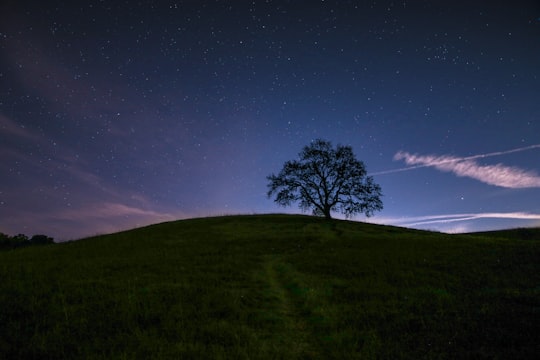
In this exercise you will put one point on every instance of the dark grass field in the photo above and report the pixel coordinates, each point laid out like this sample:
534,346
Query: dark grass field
273,287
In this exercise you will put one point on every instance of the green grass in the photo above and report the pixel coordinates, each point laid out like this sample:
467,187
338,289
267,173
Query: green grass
518,233
273,287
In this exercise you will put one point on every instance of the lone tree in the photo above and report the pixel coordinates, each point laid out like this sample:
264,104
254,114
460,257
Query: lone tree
326,180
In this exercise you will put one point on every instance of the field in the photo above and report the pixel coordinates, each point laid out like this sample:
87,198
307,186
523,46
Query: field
273,287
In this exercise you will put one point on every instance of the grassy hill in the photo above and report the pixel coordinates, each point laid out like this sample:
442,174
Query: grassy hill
272,287
518,233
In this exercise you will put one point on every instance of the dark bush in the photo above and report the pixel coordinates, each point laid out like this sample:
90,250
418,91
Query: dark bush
18,241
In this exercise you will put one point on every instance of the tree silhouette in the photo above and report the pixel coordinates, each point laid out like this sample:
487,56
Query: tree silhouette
21,240
4,241
41,240
326,180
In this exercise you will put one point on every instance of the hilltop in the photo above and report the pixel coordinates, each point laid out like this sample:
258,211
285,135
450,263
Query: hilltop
272,286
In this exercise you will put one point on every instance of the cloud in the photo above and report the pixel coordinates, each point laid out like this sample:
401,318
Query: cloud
498,175
91,219
12,129
479,156
458,221
449,218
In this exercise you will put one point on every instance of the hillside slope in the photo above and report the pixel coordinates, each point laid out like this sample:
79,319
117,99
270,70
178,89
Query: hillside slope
519,233
272,286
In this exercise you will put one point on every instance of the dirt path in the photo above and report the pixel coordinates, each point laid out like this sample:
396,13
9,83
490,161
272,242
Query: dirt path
295,334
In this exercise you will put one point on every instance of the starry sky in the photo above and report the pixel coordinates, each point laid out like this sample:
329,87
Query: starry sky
117,114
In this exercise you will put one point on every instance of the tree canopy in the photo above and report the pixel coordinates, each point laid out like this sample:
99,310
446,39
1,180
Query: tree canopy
325,179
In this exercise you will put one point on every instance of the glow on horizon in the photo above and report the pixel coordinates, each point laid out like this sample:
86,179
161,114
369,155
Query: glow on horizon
415,221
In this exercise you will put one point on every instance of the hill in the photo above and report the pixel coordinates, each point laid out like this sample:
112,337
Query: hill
518,233
272,286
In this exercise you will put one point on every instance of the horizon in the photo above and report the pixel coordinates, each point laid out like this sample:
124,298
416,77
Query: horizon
232,215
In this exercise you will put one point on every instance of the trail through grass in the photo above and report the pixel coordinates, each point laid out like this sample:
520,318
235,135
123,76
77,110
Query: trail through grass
294,332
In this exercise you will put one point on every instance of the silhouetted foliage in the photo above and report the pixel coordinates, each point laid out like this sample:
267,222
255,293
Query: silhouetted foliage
41,240
325,180
4,240
21,240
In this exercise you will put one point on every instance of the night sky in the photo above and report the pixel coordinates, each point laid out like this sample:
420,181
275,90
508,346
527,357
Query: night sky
116,114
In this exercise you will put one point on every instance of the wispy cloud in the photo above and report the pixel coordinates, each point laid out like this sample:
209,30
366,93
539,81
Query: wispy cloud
498,175
11,128
91,219
445,219
450,218
113,210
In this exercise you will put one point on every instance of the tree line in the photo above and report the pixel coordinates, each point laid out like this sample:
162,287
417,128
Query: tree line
18,241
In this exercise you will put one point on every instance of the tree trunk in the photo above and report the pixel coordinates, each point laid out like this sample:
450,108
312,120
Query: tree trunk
327,213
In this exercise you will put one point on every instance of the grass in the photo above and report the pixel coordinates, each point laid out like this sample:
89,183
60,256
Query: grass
273,287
